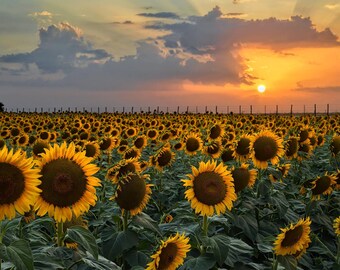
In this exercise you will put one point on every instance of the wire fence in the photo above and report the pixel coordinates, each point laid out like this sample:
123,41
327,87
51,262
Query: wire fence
227,109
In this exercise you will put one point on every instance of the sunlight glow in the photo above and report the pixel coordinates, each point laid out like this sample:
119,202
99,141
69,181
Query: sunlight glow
261,88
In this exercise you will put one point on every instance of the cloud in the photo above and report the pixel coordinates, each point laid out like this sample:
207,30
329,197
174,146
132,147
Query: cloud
161,15
236,14
332,6
42,18
319,89
202,50
222,33
61,47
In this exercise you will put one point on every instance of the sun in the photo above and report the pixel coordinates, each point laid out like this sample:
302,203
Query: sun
261,88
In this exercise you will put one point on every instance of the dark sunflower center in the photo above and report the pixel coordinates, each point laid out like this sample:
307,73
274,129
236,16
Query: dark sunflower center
209,188
265,148
304,148
152,133
44,135
192,144
63,182
243,146
131,154
12,183
321,185
292,236
213,149
167,256
106,143
129,167
335,145
303,135
90,150
164,158
139,142
131,194
215,132
227,155
39,148
292,147
130,132
241,178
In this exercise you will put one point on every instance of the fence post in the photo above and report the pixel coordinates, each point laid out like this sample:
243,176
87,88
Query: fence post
206,109
149,109
187,109
196,109
304,109
123,109
251,109
327,109
132,109
314,109
177,109
277,109
216,109
54,109
240,109
265,109
291,110
41,109
35,109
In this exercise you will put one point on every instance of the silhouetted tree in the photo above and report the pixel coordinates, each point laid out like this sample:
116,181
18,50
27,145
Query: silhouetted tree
2,107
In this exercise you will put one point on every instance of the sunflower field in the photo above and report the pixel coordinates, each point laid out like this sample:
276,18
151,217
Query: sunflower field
169,191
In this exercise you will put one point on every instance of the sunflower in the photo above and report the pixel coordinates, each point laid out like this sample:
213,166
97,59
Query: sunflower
294,239
140,142
132,153
243,177
152,133
123,168
23,139
39,147
242,148
292,147
171,253
337,179
107,143
92,149
266,146
211,188
192,143
227,154
164,158
214,149
323,185
18,183
216,131
284,169
335,145
132,193
336,226
67,183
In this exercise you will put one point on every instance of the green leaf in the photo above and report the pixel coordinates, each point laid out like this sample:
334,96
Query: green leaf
19,253
84,238
219,245
116,244
239,251
100,264
288,262
146,222
136,258
200,263
248,224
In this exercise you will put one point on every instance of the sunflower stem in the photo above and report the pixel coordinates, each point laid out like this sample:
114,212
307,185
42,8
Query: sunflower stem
275,264
205,225
125,220
60,232
338,252
325,247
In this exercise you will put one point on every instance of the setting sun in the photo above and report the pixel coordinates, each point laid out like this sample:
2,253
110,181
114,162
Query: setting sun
261,88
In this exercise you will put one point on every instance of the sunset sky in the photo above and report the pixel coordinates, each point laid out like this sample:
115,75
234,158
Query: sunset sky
115,53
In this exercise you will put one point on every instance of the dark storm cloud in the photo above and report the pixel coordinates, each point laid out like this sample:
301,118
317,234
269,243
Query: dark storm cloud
61,47
161,15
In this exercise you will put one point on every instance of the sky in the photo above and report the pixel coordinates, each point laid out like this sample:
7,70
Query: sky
113,53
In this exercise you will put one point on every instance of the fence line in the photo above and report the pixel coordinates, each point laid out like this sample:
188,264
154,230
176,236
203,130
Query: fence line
227,109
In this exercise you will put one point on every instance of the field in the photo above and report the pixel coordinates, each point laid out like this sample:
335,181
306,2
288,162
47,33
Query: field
169,191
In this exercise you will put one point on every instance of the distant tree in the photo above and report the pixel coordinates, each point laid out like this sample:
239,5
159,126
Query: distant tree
2,107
